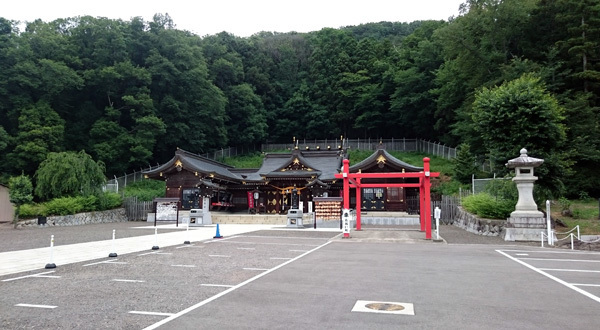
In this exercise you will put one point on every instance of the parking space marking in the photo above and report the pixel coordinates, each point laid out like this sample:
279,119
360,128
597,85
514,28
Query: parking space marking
130,281
145,254
280,258
552,252
114,261
218,285
246,248
281,244
150,313
221,294
283,237
35,306
185,266
554,278
570,260
298,250
32,275
570,270
258,269
581,284
219,256
522,254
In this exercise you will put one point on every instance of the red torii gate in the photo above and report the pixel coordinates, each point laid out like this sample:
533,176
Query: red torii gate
352,180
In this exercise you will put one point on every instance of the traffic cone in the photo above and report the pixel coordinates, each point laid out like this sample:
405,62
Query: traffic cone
218,235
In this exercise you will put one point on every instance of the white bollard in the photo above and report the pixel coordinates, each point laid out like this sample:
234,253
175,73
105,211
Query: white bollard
51,264
187,232
437,214
549,224
112,247
572,247
155,247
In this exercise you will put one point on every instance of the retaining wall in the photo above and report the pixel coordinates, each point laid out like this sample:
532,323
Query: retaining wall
116,215
473,224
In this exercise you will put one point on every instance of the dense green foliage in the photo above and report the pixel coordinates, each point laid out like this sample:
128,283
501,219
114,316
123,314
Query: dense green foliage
64,174
130,92
72,205
487,206
145,190
20,192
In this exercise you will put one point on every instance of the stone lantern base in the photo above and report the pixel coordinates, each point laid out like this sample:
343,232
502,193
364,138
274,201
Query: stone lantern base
527,228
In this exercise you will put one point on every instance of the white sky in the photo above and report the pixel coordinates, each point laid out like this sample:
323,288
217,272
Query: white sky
242,18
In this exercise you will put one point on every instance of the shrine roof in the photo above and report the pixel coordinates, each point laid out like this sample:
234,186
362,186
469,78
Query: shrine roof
382,157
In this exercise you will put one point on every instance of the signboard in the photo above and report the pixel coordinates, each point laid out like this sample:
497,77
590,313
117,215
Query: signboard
166,211
346,222
250,200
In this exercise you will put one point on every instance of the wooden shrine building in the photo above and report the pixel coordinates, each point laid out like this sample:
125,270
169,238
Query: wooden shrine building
284,181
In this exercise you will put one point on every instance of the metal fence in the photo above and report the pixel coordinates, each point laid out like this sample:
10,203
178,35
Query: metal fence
418,145
480,185
449,209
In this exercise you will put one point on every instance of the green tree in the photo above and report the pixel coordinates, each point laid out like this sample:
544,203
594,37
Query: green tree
522,114
20,192
69,174
464,164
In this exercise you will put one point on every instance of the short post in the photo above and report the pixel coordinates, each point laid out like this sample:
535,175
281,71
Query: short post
112,247
51,264
155,247
572,247
187,232
549,224
578,234
437,214
542,238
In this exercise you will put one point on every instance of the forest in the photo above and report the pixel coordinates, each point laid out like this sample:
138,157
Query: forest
499,76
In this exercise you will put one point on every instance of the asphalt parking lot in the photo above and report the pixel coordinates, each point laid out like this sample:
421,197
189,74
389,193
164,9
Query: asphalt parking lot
311,280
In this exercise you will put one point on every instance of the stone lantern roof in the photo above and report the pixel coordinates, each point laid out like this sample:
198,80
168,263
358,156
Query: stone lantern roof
524,161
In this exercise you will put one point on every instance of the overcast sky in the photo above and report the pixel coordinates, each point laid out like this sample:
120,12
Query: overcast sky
242,18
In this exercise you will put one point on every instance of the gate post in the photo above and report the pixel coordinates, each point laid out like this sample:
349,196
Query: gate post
358,204
426,187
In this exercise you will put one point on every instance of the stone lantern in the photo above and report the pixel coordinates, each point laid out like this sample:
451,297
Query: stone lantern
526,222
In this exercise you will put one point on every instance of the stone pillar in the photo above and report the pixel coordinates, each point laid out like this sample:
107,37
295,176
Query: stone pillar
206,217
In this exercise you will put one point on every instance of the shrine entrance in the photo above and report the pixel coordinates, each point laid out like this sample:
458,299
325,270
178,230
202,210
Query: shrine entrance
353,180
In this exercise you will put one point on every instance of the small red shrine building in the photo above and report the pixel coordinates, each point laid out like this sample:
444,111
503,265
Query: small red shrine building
284,181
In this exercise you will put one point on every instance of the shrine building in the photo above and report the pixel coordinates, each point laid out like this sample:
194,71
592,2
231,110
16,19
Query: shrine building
285,180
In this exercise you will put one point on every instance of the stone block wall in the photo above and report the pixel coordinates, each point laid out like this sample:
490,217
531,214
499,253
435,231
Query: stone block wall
473,224
116,215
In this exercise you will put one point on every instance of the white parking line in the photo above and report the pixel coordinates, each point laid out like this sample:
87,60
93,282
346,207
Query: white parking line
280,258
537,270
219,256
298,250
522,254
32,275
114,261
553,252
130,281
258,269
185,266
150,313
570,270
218,285
217,296
246,248
570,260
35,306
281,244
581,284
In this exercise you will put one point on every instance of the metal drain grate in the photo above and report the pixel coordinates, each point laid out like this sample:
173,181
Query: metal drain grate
384,307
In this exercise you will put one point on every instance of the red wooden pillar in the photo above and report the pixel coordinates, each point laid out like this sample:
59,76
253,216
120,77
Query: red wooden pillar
346,171
422,204
426,187
358,204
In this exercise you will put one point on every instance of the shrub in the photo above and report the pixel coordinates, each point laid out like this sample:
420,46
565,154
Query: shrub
145,190
64,206
487,206
29,211
89,203
108,201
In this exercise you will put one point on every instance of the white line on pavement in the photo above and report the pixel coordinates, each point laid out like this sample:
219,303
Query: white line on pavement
570,260
186,266
280,258
298,250
570,286
259,269
217,296
218,256
150,313
114,261
27,276
246,248
218,285
283,244
130,281
553,252
581,284
570,270
35,306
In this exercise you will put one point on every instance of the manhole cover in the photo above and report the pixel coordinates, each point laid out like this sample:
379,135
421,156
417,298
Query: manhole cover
385,307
